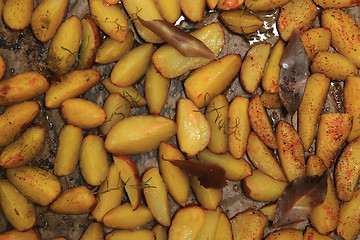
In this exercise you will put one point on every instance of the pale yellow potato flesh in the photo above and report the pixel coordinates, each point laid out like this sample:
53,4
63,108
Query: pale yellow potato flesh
160,232
336,3
229,4
143,234
93,232
349,224
209,198
285,234
352,105
270,80
269,211
169,9
193,9
224,230
212,4
249,224
17,13
271,100
241,22
311,234
315,166
32,234
264,5
315,40
208,229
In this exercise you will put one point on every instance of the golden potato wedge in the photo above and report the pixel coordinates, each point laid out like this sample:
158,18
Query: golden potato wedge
143,234
24,149
116,108
112,2
1,9
217,115
345,33
109,194
89,44
315,40
263,158
187,222
315,166
271,100
325,217
32,234
67,156
36,184
18,210
249,224
139,134
82,113
47,18
170,10
311,234
333,130
75,201
22,87
207,82
254,66
211,4
336,3
193,132
334,65
156,196
70,85
352,104
129,175
229,4
17,13
208,229
93,232
235,169
264,5
132,66
270,80
93,160
177,181
110,19
146,10
160,232
2,63
260,122
285,234
269,211
193,9
316,91
124,217
239,126
16,118
63,49
291,151
261,187
240,22
171,63
156,90
299,14
209,198
111,50
349,224
347,171
130,93
224,230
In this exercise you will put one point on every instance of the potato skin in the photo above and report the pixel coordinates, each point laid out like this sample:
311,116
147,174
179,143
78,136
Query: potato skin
249,224
315,40
17,13
22,87
264,5
241,22
336,3
31,234
352,104
349,223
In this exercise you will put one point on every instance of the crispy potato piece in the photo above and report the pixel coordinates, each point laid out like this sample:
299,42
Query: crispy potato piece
132,66
291,151
124,217
271,100
260,122
235,169
143,234
212,4
263,158
82,113
333,130
311,234
2,63
299,14
249,224
315,40
224,230
111,50
347,171
239,126
18,210
261,187
24,149
187,222
254,66
208,81
70,85
334,65
32,234
36,184
336,3
316,91
345,33
110,19
22,87
17,13
285,234
93,232
269,211
171,63
264,5
209,198
109,194
349,224
315,166
270,80
160,232
75,201
170,10
352,104
15,119
47,18
241,22
193,9
208,229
